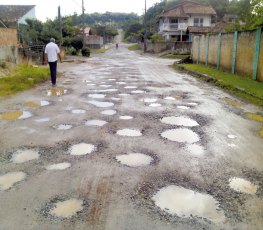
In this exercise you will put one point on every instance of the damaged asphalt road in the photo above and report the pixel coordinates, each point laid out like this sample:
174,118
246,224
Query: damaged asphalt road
125,142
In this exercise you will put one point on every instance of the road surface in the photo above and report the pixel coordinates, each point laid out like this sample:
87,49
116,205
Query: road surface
124,142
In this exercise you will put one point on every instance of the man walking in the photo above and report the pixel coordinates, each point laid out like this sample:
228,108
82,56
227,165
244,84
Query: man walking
52,53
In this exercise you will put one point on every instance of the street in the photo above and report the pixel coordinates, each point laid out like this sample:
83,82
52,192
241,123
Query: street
124,142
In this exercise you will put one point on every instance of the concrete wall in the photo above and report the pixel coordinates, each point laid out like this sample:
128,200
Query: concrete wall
8,37
174,47
9,53
246,42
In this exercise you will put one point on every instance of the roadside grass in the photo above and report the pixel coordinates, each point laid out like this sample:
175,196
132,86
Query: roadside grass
23,78
98,51
244,87
134,47
175,56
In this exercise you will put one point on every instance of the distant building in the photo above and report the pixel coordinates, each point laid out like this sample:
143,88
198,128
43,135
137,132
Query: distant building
173,22
13,15
94,41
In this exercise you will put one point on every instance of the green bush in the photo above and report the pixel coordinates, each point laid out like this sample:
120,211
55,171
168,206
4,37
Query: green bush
71,50
85,52
3,65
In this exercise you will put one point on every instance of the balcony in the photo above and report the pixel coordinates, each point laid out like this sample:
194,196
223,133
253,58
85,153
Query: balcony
174,26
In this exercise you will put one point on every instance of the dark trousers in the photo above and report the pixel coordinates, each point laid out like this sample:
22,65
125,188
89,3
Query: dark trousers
53,71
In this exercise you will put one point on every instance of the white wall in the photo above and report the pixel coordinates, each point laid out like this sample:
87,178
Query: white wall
207,20
30,14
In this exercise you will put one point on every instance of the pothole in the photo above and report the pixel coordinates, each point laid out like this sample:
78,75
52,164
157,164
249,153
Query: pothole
109,112
129,132
170,98
115,98
63,127
105,90
91,84
130,87
149,100
44,119
36,104
96,95
95,123
187,203
155,105
101,104
59,166
242,185
125,117
78,111
182,107
56,92
105,86
121,82
16,115
111,79
67,209
181,135
134,159
195,150
10,179
180,121
192,103
231,136
137,91
123,94
81,149
21,156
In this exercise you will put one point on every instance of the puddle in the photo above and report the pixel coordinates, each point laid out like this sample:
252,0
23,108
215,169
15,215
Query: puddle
195,150
181,135
254,116
9,179
121,82
67,209
36,104
261,132
101,104
21,156
192,103
81,149
123,94
44,119
137,91
149,100
105,86
134,159
91,84
125,117
105,90
56,92
130,87
230,136
109,112
62,127
129,132
232,145
155,105
181,121
78,111
15,115
111,79
182,107
60,166
242,185
232,102
115,98
170,98
96,95
95,123
186,203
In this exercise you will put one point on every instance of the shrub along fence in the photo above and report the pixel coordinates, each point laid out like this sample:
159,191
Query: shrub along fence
238,52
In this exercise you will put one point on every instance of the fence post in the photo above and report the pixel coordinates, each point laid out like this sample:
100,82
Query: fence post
218,50
234,53
198,50
256,53
207,49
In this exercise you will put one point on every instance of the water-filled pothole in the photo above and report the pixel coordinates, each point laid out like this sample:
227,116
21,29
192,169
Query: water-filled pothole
180,121
129,132
16,115
109,112
242,185
130,87
56,92
254,116
231,136
137,91
101,104
21,156
170,98
125,117
95,123
63,127
186,203
181,135
82,149
67,209
96,95
59,166
36,104
134,159
115,98
232,102
8,180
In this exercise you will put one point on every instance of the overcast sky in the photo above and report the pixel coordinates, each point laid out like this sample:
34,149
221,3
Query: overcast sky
48,8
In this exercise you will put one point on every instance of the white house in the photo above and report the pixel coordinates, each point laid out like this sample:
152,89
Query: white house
174,22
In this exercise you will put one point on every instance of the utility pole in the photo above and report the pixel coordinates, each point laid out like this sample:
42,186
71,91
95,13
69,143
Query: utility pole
83,23
145,32
59,25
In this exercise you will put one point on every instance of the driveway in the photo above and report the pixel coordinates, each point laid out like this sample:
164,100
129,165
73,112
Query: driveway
126,142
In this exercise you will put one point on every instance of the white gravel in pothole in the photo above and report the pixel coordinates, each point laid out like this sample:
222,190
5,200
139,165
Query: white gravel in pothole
129,132
81,149
155,105
109,112
181,135
96,95
180,121
195,150
186,203
78,111
182,107
95,122
242,185
25,115
21,156
134,159
44,103
125,117
101,104
67,209
59,166
42,120
149,100
63,127
230,136
8,180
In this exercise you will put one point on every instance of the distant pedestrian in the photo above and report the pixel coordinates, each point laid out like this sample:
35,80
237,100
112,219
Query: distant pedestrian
52,53
117,45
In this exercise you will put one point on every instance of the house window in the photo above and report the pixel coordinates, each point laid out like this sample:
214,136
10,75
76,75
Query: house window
174,20
198,21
